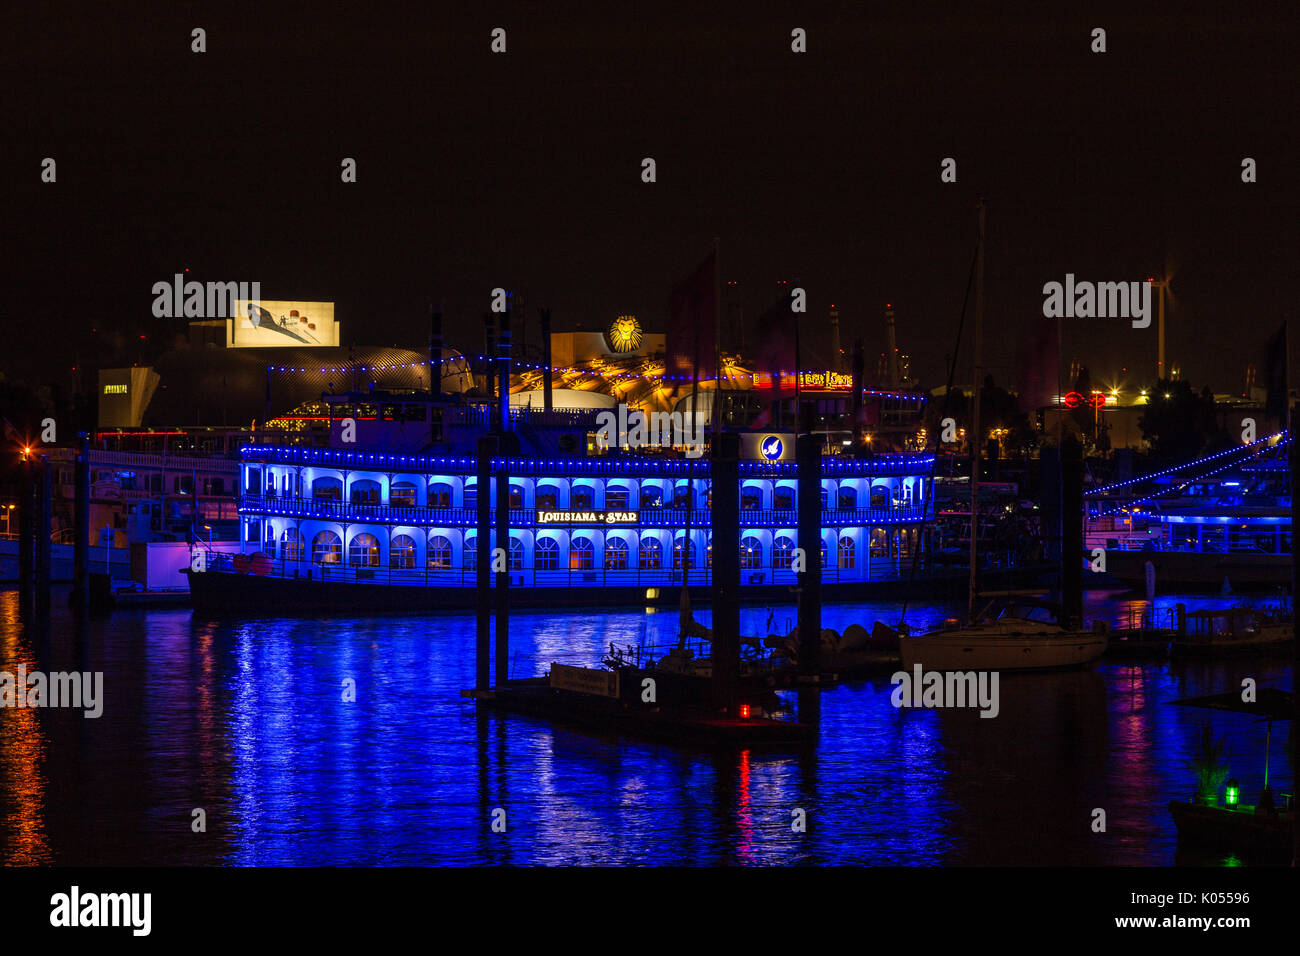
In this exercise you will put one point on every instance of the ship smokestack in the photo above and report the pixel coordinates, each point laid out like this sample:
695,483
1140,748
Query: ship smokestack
837,365
858,363
435,349
503,372
891,357
489,349
547,376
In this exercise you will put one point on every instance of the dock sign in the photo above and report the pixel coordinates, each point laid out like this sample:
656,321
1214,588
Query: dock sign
584,680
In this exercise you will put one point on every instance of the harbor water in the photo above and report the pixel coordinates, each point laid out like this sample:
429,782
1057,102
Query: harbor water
250,722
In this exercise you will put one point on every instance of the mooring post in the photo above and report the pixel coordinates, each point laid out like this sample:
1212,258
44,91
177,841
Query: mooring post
808,457
27,537
44,522
81,527
1072,530
1293,460
505,448
725,522
503,575
487,445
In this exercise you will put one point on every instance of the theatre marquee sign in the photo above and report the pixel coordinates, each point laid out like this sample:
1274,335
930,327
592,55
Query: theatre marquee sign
588,517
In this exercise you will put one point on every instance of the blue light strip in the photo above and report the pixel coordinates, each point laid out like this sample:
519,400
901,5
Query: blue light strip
1191,464
1169,491
900,464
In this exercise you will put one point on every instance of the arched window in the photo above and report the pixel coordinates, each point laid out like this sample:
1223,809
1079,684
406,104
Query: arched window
783,553
402,495
326,548
439,494
515,560
681,497
880,496
681,554
329,489
847,498
582,555
548,497
652,497
751,498
401,550
616,498
291,544
469,556
652,553
847,554
783,498
581,498
363,552
616,554
516,496
439,554
751,553
546,556
364,491
268,541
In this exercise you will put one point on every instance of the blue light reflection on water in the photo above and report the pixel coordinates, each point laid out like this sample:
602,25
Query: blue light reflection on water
247,720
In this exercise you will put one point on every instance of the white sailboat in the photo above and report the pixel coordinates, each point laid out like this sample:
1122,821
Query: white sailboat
1023,635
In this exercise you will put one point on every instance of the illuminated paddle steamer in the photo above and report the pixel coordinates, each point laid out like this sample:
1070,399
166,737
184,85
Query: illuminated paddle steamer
319,526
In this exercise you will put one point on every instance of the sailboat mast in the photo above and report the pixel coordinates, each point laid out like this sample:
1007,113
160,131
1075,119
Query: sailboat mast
977,375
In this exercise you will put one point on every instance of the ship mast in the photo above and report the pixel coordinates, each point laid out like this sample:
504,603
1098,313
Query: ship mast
975,418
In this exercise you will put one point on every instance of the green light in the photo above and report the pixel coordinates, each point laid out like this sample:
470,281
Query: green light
1231,793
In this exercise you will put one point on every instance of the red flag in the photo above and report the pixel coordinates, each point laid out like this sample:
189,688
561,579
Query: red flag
691,321
775,357
1037,367
774,354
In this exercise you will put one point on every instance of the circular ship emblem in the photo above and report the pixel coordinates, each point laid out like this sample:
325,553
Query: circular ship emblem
772,448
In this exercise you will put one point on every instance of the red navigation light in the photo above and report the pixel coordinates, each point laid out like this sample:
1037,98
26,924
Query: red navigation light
744,711
1072,399
1097,400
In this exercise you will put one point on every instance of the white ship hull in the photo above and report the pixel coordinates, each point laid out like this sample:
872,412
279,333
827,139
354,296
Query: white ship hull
985,648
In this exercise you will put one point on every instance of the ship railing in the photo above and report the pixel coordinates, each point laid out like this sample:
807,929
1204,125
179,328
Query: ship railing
753,656
335,509
1138,619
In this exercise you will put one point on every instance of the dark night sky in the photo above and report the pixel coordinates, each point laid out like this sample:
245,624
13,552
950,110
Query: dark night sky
523,170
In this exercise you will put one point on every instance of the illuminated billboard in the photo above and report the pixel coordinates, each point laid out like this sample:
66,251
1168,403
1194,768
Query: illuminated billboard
268,323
